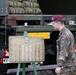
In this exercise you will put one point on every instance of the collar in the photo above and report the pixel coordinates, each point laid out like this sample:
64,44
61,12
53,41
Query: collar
62,30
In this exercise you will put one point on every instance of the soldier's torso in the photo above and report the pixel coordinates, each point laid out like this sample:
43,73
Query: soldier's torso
69,48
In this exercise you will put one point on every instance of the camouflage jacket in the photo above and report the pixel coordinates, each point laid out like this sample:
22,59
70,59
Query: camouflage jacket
65,51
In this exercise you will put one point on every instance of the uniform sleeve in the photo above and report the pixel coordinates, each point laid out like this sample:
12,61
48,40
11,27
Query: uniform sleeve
64,44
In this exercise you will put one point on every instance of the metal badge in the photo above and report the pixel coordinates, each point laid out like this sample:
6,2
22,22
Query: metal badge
27,39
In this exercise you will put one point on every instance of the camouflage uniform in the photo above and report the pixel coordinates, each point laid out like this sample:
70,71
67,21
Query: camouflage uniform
65,52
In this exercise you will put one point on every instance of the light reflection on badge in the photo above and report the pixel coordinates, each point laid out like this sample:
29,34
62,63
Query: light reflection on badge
27,39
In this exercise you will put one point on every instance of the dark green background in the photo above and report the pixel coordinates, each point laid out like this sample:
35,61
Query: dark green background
66,7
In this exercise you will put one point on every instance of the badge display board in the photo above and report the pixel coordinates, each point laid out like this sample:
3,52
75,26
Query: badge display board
26,49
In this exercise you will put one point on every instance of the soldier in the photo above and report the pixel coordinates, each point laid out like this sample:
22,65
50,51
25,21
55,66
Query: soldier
65,45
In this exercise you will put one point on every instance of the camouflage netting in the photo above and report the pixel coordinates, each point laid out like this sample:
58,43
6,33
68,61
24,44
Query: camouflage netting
24,7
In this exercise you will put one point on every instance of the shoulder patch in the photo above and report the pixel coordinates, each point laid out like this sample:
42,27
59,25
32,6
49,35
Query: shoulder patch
63,36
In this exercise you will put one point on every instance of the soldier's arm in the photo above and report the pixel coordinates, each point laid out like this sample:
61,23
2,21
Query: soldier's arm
64,44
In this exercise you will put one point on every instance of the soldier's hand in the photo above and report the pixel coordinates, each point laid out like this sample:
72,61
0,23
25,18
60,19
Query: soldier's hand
57,70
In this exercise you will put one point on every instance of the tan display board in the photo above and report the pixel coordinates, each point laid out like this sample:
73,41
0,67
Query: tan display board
26,49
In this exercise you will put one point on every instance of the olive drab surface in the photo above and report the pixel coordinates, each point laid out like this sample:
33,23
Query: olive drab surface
24,7
65,52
